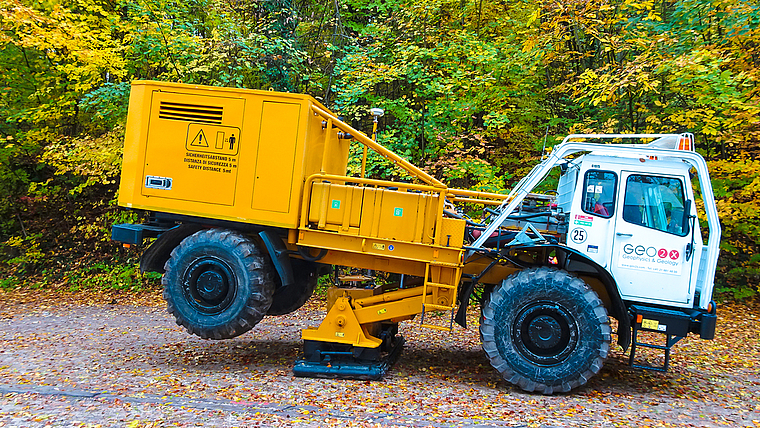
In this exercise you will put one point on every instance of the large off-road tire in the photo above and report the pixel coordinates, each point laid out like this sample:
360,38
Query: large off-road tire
545,330
289,299
217,284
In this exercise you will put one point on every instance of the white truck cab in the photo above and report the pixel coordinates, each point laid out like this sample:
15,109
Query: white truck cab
630,215
625,216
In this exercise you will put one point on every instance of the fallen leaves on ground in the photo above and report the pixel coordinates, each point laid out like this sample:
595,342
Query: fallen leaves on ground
126,359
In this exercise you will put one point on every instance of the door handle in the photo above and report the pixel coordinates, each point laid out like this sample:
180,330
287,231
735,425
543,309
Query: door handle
624,234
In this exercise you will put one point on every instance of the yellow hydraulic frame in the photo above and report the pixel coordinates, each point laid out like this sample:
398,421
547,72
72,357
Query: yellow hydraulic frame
437,260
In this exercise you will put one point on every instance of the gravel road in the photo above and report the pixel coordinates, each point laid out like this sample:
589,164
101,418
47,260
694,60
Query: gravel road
118,360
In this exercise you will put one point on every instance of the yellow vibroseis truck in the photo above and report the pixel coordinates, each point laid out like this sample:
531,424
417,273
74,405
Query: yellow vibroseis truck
250,201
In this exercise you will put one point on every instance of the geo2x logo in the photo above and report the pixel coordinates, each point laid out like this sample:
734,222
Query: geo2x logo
640,250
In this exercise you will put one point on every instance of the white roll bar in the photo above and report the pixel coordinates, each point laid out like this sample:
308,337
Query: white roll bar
569,147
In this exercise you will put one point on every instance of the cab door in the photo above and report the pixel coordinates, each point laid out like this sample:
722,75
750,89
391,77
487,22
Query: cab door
651,236
593,215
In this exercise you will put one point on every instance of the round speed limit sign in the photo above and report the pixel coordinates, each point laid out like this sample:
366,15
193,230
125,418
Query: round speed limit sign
578,235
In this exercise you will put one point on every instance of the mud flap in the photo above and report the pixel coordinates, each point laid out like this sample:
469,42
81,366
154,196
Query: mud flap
279,255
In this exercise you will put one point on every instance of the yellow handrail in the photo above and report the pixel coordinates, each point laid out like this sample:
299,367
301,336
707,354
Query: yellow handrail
476,201
362,138
475,194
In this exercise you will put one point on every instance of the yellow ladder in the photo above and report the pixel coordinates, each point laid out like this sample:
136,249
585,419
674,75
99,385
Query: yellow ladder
443,292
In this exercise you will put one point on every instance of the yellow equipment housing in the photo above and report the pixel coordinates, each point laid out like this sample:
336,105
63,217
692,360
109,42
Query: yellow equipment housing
239,155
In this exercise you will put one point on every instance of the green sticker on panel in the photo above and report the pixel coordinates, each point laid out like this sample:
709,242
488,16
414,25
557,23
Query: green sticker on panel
336,204
398,212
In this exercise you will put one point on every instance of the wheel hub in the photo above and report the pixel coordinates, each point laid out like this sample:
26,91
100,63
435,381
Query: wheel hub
545,333
211,285
208,284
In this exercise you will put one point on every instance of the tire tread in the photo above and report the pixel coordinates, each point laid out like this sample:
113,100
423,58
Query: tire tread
523,280
261,284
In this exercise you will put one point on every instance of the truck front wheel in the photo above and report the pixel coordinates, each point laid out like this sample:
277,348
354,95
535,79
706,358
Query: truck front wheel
217,284
545,330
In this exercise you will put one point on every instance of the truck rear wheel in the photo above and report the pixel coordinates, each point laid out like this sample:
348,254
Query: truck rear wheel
289,299
545,330
217,284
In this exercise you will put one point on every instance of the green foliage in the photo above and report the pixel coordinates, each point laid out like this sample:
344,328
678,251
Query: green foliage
637,66
106,106
451,81
737,191
105,276
24,253
10,283
471,90
324,282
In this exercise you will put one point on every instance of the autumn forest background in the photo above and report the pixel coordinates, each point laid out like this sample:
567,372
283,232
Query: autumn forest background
472,90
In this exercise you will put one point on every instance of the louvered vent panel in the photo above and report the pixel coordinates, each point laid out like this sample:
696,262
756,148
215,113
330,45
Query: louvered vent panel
190,112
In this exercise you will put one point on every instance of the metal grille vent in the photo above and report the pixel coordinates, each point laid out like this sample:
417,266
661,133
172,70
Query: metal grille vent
190,112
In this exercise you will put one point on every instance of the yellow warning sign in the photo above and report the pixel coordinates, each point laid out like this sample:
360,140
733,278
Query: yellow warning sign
216,139
200,140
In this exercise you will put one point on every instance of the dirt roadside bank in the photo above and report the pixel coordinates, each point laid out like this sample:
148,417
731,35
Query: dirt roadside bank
115,360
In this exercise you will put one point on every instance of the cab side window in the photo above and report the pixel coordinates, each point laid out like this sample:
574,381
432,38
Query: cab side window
599,193
655,202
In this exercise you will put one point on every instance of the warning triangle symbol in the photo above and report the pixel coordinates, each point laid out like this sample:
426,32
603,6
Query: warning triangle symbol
200,140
